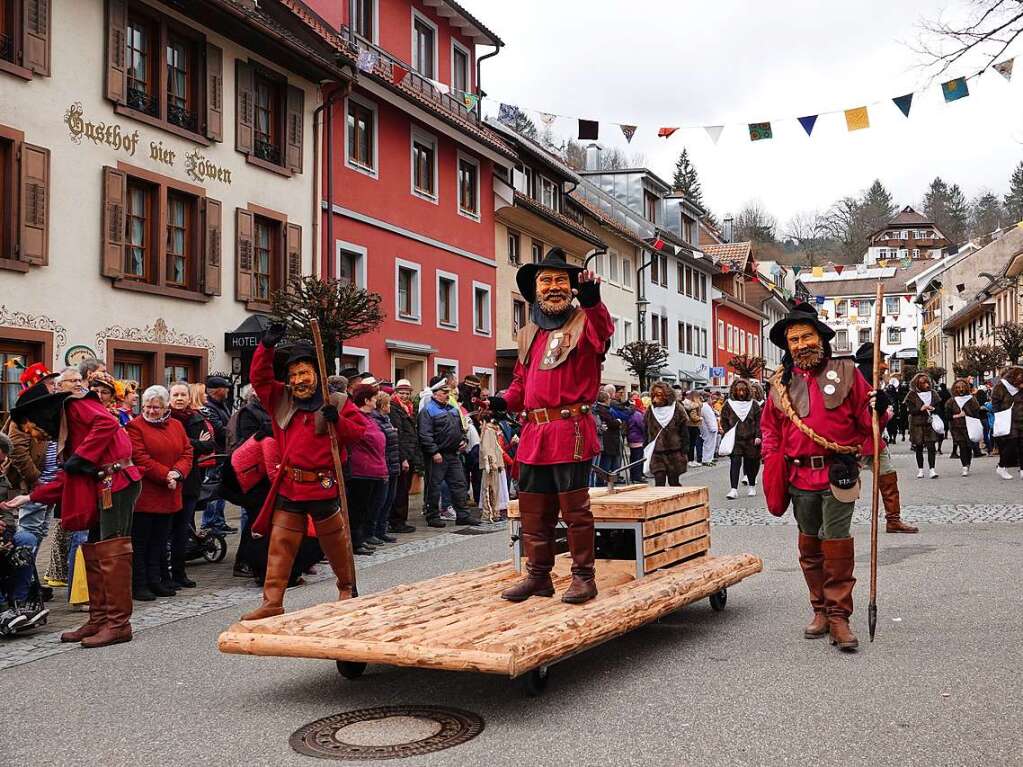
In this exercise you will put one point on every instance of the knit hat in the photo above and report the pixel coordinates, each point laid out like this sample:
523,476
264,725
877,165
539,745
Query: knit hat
403,383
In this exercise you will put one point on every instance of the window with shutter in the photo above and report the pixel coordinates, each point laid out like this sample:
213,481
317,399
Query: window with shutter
270,118
213,224
268,254
293,248
33,244
115,193
214,93
244,233
25,37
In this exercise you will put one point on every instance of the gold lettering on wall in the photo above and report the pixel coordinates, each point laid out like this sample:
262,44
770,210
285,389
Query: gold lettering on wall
160,154
99,133
201,170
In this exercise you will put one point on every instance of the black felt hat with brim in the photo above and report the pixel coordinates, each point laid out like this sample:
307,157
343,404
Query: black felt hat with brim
801,314
39,405
525,277
287,355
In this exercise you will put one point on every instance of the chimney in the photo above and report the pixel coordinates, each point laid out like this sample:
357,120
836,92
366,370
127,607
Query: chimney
593,156
726,228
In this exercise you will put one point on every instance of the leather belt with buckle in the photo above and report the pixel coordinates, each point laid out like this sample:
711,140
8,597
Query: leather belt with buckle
813,461
548,414
324,478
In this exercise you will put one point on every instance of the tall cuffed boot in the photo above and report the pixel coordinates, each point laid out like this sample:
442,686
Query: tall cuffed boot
811,559
839,559
114,555
285,537
97,607
888,485
538,513
575,510
338,553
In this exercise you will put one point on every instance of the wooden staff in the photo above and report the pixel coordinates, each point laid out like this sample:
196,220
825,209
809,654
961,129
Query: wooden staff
876,488
346,580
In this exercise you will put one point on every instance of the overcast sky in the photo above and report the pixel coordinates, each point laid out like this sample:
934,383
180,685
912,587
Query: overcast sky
683,62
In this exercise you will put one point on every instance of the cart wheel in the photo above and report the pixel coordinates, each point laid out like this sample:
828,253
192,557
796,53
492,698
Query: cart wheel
718,600
215,549
350,669
536,681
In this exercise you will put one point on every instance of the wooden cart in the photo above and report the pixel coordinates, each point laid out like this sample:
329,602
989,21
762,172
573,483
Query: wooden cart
458,621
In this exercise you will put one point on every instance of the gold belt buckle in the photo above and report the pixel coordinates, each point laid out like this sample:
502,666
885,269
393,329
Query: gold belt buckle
816,461
540,415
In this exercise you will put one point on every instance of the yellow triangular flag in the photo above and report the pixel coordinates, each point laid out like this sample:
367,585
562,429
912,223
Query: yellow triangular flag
857,119
818,271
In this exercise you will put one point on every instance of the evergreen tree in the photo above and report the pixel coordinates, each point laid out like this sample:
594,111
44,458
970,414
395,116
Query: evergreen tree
946,206
876,208
986,215
520,122
958,215
1013,201
686,179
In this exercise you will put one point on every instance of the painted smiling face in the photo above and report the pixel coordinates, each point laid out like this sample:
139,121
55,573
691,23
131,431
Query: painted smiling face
553,291
805,346
302,379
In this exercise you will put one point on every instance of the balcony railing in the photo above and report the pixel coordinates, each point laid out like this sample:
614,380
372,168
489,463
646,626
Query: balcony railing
447,102
140,100
267,151
182,117
6,47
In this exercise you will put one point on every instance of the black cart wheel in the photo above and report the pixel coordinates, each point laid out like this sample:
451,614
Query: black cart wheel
350,669
536,681
215,549
718,600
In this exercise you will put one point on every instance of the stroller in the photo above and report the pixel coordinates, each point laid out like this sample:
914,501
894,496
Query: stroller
29,613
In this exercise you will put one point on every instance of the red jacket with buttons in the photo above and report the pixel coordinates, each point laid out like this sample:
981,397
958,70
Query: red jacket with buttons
157,449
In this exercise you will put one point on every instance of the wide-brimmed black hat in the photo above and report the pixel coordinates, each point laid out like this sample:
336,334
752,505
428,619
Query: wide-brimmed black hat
804,314
38,405
865,354
286,356
525,277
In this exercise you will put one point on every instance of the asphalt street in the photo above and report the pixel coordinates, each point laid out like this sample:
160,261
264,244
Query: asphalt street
942,685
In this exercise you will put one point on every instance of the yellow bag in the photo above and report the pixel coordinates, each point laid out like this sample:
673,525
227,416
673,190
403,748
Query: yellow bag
79,584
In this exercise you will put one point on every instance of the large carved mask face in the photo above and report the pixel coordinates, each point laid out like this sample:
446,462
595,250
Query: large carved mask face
553,291
805,345
302,379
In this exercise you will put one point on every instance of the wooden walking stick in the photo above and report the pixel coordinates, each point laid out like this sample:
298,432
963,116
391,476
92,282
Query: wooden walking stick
876,488
346,580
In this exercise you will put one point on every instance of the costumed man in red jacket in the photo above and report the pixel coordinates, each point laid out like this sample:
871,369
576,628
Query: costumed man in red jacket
555,380
815,423
96,488
305,486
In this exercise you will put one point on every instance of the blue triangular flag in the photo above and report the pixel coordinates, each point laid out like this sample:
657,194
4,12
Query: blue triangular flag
904,103
808,123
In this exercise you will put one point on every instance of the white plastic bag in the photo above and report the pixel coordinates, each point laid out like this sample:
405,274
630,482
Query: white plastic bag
974,429
648,453
937,424
1003,422
727,442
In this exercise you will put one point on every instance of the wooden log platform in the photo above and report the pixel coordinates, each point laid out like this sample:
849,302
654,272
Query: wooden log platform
459,622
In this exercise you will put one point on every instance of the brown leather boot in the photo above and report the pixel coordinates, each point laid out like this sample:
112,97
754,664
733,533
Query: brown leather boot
812,561
97,608
285,538
538,514
888,485
114,556
575,510
839,560
337,550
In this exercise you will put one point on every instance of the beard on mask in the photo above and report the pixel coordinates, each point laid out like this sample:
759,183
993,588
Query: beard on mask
554,302
808,358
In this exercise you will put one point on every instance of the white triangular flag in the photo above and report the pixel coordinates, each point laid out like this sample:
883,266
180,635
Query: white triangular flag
1004,68
714,131
442,87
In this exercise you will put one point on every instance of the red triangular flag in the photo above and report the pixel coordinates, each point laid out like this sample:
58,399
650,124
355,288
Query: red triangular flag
839,268
398,73
665,132
725,268
658,243
908,298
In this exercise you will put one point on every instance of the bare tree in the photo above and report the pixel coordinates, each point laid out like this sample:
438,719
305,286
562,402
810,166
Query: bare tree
755,223
810,232
984,35
978,361
747,365
1009,337
644,359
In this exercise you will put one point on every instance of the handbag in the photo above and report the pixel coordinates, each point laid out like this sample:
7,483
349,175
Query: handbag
727,442
974,429
1003,422
937,424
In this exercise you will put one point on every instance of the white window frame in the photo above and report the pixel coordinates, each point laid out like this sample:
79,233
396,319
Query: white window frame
613,275
517,235
438,361
626,273
360,276
533,243
373,172
896,329
417,16
721,334
454,307
477,216
417,134
357,351
376,21
627,332
546,182
489,326
417,299
468,64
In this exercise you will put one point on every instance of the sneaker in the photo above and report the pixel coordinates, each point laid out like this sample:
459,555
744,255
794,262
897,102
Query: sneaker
1003,473
54,583
919,473
449,514
934,474
11,621
745,481
732,494
695,463
752,491
966,471
34,616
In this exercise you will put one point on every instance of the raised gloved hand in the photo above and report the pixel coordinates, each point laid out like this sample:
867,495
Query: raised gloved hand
497,404
588,291
330,413
274,334
75,464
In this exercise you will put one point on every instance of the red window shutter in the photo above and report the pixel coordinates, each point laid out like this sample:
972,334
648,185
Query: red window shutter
214,93
117,30
213,227
36,36
245,107
293,253
294,128
115,194
244,233
34,215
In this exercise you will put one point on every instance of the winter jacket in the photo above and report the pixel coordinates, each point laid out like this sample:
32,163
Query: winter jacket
25,463
671,451
747,431
920,430
367,458
253,418
158,448
408,436
393,454
957,426
440,428
218,415
635,429
611,434
1002,400
195,424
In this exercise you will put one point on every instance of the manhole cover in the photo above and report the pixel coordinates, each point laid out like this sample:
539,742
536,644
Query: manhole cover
386,732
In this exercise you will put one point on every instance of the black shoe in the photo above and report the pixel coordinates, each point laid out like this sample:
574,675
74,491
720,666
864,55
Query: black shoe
45,593
142,594
183,581
435,522
241,570
401,529
363,551
160,590
374,541
467,521
388,538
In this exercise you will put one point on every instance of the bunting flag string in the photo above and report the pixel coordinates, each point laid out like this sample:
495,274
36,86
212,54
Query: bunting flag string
856,118
367,60
398,73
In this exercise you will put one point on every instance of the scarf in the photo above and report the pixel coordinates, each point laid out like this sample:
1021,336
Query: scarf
182,415
663,414
546,321
1009,387
962,399
925,396
157,421
740,407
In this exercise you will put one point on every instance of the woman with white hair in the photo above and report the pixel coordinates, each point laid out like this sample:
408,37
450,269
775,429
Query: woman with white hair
162,450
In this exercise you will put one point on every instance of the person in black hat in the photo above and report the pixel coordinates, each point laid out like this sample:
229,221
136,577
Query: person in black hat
888,479
556,380
815,423
217,411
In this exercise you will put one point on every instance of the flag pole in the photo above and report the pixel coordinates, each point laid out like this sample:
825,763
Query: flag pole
876,458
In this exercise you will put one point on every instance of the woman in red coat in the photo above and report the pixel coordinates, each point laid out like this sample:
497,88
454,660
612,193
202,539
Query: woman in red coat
161,448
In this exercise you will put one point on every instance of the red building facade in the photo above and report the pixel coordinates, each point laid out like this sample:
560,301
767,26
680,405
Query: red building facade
413,200
738,325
